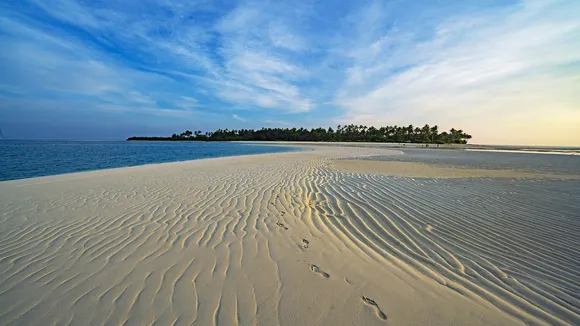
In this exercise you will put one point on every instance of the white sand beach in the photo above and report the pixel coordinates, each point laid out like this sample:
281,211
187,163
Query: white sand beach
294,238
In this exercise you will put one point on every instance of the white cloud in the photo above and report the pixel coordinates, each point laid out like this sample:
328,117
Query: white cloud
46,65
256,72
483,77
11,89
235,116
245,68
512,67
185,102
281,37
276,123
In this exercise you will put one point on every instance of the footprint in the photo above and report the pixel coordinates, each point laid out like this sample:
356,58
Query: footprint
317,270
373,303
305,243
282,225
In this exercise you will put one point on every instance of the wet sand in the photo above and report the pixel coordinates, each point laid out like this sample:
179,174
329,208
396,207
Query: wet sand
289,239
421,170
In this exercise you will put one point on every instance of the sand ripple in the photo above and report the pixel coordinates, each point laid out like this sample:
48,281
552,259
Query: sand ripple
513,243
283,239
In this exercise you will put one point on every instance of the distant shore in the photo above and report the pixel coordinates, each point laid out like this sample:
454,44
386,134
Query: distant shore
567,150
530,150
560,150
343,133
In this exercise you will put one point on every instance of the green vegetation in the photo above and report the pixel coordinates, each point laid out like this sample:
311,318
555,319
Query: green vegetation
349,133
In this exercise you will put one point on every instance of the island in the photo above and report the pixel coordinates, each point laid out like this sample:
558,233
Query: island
348,133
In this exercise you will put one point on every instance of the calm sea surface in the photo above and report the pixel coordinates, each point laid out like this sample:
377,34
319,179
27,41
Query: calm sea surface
26,159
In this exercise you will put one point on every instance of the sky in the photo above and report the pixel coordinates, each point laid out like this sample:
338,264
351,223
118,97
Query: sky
507,72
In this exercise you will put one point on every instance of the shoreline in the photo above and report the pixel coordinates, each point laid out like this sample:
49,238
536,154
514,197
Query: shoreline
526,151
558,150
437,171
132,167
291,149
284,238
301,146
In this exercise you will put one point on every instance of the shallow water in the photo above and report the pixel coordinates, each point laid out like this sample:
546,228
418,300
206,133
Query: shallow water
21,159
530,162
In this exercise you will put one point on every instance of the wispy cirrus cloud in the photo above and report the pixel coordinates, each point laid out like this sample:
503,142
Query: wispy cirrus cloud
501,74
470,65
235,116
276,123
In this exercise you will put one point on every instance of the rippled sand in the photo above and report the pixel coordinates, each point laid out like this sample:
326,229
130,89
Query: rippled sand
420,170
287,239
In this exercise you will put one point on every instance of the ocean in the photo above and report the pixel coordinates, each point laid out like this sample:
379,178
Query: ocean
21,159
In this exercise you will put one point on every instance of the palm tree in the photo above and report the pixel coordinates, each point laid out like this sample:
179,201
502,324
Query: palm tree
349,132
186,133
434,132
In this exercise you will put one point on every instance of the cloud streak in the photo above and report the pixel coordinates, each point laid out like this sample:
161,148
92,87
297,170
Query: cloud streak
500,74
235,116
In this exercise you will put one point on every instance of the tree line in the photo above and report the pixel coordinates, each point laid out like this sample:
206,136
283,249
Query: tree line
347,133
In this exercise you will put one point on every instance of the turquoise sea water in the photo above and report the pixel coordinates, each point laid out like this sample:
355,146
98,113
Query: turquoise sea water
21,159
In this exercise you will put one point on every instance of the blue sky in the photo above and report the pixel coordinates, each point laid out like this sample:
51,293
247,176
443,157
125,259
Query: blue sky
504,71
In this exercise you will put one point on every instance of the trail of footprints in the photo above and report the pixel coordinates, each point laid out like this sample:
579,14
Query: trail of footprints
305,244
282,225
